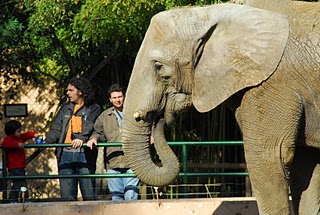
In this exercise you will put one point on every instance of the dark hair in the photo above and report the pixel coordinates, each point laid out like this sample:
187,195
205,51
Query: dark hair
84,86
114,88
11,127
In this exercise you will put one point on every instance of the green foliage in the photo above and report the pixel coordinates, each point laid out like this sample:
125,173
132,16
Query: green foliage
77,35
108,21
10,33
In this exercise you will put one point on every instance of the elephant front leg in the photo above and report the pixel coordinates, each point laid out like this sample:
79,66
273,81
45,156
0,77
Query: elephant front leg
268,179
270,133
268,159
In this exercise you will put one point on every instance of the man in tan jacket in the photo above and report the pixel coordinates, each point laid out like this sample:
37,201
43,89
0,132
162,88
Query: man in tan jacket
108,128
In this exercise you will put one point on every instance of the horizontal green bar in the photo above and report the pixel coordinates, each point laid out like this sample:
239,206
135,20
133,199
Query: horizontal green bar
124,175
197,174
109,144
206,143
107,175
53,145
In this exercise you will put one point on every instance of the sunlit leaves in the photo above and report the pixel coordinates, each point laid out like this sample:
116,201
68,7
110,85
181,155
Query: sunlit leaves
101,20
52,67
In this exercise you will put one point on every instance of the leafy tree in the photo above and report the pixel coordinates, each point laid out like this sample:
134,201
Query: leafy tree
61,39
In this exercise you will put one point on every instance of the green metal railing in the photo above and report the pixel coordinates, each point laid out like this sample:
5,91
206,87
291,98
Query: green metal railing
184,174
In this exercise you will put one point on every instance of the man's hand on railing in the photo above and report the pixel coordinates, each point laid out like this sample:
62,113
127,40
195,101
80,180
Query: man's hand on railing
92,142
77,143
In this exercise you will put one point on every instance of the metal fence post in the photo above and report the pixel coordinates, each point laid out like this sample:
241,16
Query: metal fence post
4,174
185,167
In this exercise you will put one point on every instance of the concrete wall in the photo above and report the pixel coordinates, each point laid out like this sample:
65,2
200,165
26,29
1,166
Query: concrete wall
212,206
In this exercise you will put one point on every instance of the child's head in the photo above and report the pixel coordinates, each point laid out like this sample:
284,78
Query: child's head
12,127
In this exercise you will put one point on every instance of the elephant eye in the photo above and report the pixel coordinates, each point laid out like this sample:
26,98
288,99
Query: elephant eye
157,67
163,71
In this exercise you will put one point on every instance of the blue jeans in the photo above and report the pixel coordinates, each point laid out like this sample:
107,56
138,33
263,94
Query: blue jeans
75,163
123,188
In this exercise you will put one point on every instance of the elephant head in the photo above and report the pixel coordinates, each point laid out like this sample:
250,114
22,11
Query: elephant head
194,56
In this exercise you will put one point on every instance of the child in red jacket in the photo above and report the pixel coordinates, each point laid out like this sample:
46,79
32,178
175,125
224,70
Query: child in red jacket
16,157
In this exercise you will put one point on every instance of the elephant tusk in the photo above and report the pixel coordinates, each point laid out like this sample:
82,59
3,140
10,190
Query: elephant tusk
137,116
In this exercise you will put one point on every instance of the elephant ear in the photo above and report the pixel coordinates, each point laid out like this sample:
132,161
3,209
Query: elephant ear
240,50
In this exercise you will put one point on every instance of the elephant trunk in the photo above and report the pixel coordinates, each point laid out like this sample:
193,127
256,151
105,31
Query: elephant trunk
136,139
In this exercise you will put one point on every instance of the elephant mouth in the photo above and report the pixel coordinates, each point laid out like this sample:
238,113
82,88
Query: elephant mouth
168,117
149,117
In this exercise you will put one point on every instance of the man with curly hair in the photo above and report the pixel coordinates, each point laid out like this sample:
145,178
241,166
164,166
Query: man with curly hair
74,124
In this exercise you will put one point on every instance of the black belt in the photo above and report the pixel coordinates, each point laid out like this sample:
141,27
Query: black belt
113,154
73,150
122,170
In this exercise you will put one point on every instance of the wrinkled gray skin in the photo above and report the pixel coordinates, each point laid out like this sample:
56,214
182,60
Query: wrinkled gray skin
264,63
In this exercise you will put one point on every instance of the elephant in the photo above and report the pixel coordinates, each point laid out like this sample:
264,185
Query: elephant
261,59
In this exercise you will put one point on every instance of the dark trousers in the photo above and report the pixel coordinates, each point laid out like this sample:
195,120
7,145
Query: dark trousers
75,163
15,193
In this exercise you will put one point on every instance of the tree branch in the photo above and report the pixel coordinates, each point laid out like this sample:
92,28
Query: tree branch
104,62
65,53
